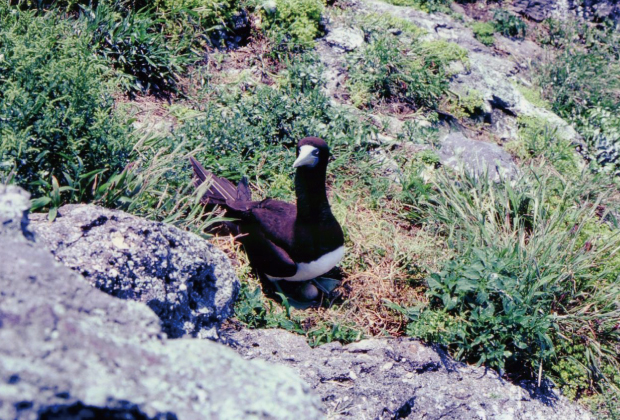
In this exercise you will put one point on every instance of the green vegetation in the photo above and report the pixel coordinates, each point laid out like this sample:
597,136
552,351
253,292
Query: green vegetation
255,311
377,22
429,6
293,23
136,49
57,123
484,31
519,275
509,25
582,84
503,23
532,277
387,70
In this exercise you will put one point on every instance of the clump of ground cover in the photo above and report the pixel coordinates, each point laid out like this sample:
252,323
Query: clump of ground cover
373,22
429,6
135,47
508,24
293,24
387,70
484,32
57,122
537,139
582,83
535,281
503,23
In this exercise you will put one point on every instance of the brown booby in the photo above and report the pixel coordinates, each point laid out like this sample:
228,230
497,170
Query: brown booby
284,241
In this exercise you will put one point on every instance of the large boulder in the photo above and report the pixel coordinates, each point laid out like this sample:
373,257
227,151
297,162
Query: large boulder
477,157
184,279
70,351
401,379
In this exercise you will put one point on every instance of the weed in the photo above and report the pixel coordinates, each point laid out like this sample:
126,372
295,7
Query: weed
381,22
484,32
509,25
531,277
57,125
540,139
464,105
386,70
135,47
429,6
582,84
294,24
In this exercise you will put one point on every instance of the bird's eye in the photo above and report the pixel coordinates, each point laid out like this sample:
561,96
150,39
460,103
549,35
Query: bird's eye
315,152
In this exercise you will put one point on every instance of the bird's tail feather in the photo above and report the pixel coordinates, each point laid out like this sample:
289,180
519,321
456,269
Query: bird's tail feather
220,190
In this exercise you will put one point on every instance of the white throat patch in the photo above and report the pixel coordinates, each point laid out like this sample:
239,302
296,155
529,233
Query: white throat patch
306,157
314,269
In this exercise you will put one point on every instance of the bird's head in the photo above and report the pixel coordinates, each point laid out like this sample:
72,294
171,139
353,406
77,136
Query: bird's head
311,152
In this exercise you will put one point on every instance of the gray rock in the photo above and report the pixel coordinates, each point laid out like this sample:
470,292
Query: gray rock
401,379
492,75
188,282
69,349
14,206
540,10
477,157
346,39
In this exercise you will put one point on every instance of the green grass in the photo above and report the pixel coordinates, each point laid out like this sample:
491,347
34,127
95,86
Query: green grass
484,31
582,83
135,47
429,6
293,24
385,70
57,122
535,282
376,22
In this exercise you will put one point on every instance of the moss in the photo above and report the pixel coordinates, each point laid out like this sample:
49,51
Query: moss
428,6
484,31
533,96
446,52
465,105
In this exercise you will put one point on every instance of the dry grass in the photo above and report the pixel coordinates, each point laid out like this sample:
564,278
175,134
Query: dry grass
386,260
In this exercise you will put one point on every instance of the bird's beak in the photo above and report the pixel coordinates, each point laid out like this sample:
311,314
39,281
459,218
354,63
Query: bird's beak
306,157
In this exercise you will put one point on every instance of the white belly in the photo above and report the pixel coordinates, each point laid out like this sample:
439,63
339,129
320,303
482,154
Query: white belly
313,269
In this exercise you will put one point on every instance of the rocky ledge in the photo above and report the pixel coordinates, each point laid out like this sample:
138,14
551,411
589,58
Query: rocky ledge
184,279
70,351
401,379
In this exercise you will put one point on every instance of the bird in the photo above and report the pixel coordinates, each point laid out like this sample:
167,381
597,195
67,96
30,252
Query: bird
284,241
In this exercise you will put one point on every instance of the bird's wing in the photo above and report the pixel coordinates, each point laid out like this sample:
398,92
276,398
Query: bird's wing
243,190
220,189
267,257
277,221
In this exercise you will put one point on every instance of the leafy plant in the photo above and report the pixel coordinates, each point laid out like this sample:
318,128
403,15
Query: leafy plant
582,84
387,70
531,278
254,310
293,24
136,48
57,124
508,24
484,31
